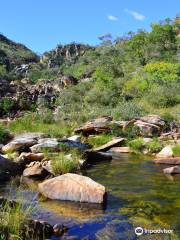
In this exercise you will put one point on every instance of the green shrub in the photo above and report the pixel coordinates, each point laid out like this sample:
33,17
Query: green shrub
128,110
6,104
4,134
12,218
62,164
154,146
33,122
164,95
176,150
137,145
96,141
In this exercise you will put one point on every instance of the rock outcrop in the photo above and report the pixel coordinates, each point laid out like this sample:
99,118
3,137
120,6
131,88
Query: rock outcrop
99,125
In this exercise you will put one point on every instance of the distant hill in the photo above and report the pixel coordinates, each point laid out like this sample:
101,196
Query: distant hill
14,54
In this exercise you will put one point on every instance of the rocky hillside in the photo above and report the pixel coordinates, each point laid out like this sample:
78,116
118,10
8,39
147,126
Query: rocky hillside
14,54
131,76
64,53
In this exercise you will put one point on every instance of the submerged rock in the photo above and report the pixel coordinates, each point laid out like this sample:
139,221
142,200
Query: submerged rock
172,170
73,187
170,160
95,156
35,229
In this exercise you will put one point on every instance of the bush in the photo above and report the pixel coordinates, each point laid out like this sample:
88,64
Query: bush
154,146
4,134
6,105
62,164
137,145
12,218
33,122
96,141
176,150
164,95
128,110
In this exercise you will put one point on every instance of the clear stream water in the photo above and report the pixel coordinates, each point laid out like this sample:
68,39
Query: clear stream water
139,194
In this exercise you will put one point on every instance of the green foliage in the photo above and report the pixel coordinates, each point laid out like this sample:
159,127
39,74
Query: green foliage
4,134
12,218
96,141
128,110
157,83
176,150
61,163
154,146
162,72
138,46
6,104
3,72
33,122
136,145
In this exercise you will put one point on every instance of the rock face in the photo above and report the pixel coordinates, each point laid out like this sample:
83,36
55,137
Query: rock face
172,170
112,143
98,125
73,187
62,53
166,152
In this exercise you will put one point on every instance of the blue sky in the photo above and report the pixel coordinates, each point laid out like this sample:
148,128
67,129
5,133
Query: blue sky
42,24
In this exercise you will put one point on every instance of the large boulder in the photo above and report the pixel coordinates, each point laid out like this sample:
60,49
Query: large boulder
22,142
8,169
73,187
150,125
147,129
166,152
99,125
154,119
114,142
50,144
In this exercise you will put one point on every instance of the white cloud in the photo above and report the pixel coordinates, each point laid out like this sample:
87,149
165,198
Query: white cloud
112,18
136,15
